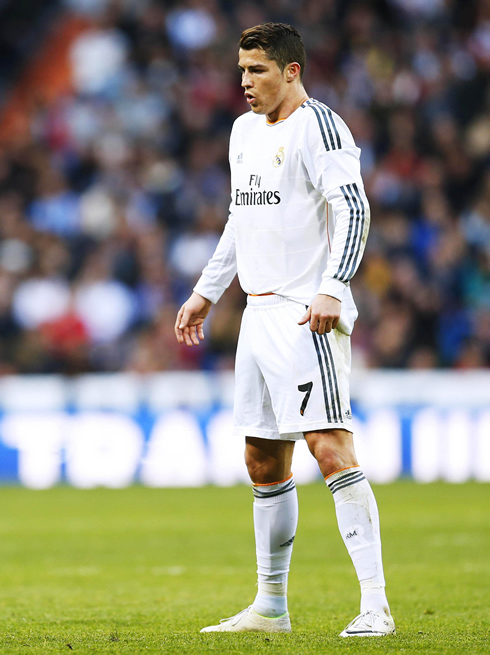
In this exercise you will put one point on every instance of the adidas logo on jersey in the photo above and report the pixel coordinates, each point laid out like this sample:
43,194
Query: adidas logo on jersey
239,159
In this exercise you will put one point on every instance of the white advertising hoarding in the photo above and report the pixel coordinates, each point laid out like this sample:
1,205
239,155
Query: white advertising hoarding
175,429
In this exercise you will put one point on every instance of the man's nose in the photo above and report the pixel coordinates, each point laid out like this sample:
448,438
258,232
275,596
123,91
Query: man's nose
246,82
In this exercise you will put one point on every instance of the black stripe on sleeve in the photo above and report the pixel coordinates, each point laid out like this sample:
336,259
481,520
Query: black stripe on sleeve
339,144
322,108
317,114
338,274
359,246
354,246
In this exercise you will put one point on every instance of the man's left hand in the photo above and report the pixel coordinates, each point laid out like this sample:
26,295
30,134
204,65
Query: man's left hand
323,314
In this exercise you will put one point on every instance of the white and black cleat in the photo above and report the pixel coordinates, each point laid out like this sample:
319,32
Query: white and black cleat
370,624
249,621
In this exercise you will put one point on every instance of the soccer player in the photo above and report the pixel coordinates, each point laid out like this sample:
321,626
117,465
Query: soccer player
296,233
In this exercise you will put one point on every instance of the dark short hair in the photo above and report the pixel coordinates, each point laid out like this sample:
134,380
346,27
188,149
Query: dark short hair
280,42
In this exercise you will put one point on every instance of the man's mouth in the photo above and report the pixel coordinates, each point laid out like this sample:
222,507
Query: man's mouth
249,98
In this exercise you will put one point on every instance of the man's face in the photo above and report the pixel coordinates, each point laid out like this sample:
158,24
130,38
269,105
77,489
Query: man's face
265,84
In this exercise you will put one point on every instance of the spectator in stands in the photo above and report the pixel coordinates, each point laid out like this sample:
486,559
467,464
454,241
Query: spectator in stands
114,196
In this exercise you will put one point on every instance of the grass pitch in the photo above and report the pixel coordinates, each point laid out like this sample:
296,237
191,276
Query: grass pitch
142,570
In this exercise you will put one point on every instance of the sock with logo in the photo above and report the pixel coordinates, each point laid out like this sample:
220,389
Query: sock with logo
358,519
275,521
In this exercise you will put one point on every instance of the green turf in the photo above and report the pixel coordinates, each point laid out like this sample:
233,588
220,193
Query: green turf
142,570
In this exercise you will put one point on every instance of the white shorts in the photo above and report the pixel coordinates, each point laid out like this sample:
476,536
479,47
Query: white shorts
288,379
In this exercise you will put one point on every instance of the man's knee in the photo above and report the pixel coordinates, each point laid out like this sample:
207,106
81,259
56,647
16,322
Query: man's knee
260,469
333,449
268,461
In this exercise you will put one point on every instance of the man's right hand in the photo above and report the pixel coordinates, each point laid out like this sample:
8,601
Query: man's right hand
190,319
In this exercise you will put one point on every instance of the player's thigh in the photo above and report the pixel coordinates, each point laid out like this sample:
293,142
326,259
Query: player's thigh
252,410
307,375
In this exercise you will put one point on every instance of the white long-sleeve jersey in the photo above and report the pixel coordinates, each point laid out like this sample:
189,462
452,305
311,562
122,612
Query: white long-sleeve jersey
299,216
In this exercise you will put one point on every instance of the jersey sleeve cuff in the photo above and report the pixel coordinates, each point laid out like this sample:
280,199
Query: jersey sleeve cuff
209,289
330,286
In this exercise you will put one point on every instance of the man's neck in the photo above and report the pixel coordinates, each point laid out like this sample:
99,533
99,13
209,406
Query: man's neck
288,106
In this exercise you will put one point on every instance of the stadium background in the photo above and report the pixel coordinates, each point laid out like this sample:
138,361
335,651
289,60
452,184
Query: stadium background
114,188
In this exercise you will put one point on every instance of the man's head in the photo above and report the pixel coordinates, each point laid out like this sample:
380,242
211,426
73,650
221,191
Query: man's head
280,43
272,60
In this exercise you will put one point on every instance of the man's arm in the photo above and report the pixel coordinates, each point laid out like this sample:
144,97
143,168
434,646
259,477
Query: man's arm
221,268
215,279
352,219
336,174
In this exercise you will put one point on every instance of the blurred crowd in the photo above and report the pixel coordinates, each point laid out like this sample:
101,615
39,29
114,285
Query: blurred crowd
115,200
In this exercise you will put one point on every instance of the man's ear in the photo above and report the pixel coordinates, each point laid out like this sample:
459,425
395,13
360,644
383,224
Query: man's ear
292,71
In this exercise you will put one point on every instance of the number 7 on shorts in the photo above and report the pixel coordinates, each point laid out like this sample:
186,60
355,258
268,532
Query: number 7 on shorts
308,386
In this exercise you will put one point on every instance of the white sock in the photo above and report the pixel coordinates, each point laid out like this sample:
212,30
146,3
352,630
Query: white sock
358,519
275,521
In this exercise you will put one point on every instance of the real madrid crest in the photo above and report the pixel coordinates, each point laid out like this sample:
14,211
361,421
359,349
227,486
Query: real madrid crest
278,158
